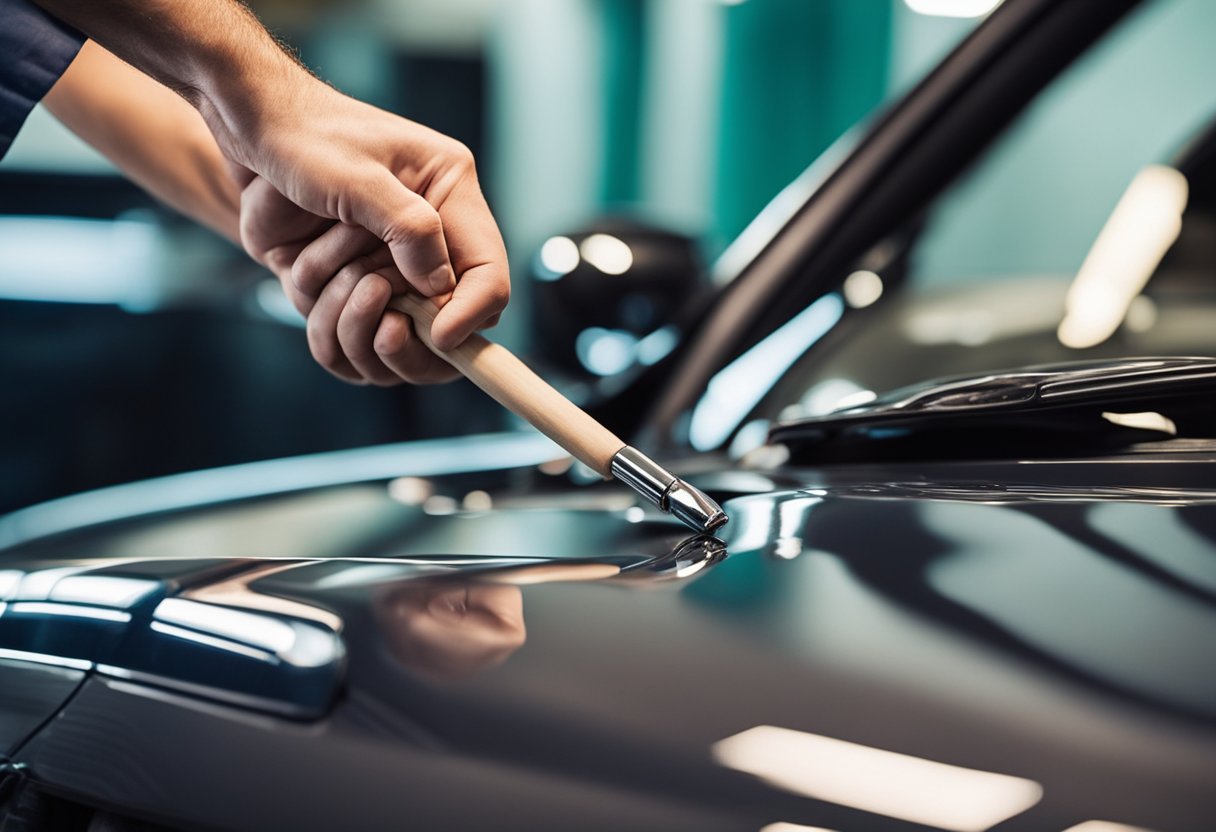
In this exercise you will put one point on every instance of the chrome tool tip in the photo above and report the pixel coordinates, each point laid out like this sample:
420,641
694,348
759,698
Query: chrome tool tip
695,507
667,491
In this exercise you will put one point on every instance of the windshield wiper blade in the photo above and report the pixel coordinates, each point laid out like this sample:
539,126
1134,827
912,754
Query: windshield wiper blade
1099,404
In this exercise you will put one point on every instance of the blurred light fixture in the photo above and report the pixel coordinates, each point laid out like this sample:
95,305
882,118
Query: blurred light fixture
782,826
477,501
106,262
655,346
1105,826
605,352
953,8
558,257
1145,223
862,288
740,385
609,254
857,399
1147,420
828,395
440,504
749,437
410,491
873,780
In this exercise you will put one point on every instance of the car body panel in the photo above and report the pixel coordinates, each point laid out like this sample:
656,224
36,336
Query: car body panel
1052,622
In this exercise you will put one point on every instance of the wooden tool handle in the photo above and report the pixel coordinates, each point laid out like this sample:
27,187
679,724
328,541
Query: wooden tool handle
497,371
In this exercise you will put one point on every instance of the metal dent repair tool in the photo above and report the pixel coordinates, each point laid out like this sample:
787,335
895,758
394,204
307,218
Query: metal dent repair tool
498,372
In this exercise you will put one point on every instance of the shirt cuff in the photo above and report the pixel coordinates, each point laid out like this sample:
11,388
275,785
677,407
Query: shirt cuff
35,49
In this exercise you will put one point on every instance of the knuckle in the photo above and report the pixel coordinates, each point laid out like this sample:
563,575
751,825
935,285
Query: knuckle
323,348
306,275
499,297
419,221
461,156
370,295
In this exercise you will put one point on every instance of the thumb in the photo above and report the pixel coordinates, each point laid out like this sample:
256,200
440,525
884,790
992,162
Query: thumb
410,227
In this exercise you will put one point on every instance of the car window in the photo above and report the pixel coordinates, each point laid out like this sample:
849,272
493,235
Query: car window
1097,207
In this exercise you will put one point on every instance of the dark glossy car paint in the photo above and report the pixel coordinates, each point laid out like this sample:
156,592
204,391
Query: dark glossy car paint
466,635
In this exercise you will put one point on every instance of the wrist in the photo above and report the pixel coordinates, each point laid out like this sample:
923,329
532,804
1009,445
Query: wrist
246,99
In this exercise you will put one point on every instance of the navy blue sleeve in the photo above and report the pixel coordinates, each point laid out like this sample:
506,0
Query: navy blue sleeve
35,49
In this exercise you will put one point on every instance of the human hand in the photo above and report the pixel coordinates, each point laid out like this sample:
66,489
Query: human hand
350,331
409,214
341,161
452,627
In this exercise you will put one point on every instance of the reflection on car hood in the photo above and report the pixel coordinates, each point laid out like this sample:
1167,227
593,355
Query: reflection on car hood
1073,408
1052,624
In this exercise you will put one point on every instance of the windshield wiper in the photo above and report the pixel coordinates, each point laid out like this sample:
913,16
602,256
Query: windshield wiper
1050,410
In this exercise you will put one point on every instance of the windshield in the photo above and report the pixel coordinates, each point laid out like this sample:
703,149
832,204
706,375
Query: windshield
1087,231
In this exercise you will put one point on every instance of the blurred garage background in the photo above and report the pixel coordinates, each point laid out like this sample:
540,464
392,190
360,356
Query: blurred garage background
136,344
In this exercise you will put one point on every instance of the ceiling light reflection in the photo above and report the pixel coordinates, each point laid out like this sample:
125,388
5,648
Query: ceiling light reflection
782,826
1145,223
1105,826
953,8
1147,420
873,780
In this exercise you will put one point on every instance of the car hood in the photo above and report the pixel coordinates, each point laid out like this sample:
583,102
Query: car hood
1040,635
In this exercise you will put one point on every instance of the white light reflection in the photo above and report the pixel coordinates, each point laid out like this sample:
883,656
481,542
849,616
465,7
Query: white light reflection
484,452
265,632
635,514
739,387
9,579
1105,826
782,826
824,396
212,641
42,658
873,780
953,8
103,590
68,610
751,436
1145,223
440,504
477,501
605,352
410,491
1147,420
655,346
37,586
862,288
609,254
558,257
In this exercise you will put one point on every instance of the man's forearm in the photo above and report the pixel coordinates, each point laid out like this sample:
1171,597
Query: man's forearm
153,136
214,53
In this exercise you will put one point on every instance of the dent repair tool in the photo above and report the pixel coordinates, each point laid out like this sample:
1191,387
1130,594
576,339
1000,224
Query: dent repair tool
498,372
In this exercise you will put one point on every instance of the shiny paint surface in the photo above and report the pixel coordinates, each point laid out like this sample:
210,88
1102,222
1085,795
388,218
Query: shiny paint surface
874,644
1053,622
